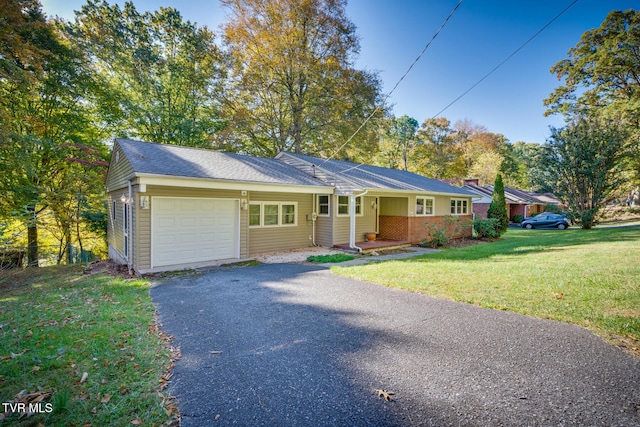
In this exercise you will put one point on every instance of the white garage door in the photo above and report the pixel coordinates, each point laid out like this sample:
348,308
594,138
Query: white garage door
188,230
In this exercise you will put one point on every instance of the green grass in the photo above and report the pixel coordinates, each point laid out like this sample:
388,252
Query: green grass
590,278
58,325
330,258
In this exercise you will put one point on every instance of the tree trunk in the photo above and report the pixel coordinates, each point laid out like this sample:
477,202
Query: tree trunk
32,250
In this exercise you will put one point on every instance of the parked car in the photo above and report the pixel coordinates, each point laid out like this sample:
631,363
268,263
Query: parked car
545,220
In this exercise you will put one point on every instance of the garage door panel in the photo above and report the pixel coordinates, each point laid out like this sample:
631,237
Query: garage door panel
193,230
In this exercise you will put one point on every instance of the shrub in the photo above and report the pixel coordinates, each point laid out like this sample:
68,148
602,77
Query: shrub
440,236
518,218
436,236
486,228
498,206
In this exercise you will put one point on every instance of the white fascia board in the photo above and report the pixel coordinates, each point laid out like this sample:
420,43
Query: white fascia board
187,182
416,192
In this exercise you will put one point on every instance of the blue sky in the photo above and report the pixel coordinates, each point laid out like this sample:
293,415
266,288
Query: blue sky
480,35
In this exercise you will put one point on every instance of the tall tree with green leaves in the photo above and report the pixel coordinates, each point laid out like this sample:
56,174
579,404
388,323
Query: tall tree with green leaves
41,115
602,77
498,206
161,76
438,153
294,87
583,163
397,141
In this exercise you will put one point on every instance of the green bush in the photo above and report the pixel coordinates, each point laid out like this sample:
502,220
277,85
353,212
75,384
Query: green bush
518,218
437,236
440,236
486,228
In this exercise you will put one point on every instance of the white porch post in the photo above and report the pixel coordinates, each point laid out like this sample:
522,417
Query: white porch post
352,220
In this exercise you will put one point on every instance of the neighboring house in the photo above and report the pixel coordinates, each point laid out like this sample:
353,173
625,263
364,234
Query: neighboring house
483,200
519,202
173,207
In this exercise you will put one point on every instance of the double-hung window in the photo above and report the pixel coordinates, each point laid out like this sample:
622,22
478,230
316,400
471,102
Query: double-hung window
343,205
323,204
424,206
459,207
272,214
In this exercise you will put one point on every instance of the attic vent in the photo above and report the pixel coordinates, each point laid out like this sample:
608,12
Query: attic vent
117,156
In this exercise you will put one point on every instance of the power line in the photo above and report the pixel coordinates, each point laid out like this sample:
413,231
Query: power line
505,60
375,110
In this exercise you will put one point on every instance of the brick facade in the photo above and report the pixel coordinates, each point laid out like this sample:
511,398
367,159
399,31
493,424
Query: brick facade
481,209
413,228
393,227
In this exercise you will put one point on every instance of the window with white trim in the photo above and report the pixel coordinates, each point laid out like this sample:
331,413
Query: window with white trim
343,205
273,214
323,205
424,206
459,206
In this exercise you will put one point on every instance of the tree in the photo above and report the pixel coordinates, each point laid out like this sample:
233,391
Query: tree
161,77
438,153
602,77
524,168
294,87
397,142
583,164
498,206
41,115
486,167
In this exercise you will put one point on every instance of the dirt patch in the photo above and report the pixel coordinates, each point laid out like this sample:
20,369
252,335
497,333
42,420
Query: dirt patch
296,255
108,267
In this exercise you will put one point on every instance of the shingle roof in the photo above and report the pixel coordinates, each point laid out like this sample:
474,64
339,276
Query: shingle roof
375,177
173,160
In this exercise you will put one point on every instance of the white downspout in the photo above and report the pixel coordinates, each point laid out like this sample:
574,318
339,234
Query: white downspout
130,231
352,219
313,221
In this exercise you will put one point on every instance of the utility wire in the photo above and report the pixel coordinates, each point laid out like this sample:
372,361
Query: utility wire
505,60
375,110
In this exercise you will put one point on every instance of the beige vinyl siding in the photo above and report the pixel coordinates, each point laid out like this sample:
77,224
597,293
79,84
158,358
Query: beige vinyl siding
395,206
142,231
114,223
120,171
269,239
364,223
324,231
406,206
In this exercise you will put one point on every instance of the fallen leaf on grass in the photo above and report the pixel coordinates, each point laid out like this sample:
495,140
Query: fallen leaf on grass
85,375
106,398
136,422
385,394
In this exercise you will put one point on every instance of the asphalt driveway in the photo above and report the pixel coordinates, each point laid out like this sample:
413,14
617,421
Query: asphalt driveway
295,345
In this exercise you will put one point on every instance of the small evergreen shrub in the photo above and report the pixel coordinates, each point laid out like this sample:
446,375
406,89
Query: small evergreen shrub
486,228
518,218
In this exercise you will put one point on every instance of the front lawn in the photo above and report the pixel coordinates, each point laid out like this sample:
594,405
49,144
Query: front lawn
83,349
590,278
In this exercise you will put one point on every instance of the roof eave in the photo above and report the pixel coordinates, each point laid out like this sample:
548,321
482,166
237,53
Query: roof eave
221,184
